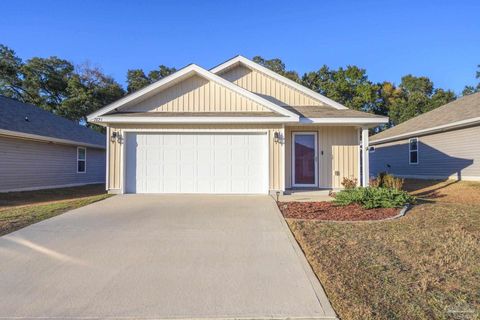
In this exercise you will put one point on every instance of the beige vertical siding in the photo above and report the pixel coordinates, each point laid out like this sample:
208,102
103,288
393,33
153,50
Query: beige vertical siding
197,94
276,163
340,157
260,83
452,154
30,164
114,161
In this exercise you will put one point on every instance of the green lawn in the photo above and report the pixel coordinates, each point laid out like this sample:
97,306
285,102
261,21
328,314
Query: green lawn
425,265
20,209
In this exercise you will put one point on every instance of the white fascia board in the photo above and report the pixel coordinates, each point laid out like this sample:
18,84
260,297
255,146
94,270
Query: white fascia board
344,120
37,137
270,73
185,72
203,120
453,125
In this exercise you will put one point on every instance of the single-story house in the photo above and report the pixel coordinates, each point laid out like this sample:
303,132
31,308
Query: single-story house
40,150
237,128
441,144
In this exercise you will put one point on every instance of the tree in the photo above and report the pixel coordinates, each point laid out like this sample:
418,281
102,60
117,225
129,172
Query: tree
473,89
136,78
277,66
10,75
56,85
349,86
45,81
414,96
87,91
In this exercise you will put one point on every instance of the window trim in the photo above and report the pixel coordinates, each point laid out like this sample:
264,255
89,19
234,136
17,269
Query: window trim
84,160
410,150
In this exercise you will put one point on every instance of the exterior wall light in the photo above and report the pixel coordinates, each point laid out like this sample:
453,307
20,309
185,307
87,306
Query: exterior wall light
116,136
277,137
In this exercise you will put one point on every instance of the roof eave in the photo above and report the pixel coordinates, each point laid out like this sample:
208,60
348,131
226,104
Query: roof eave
345,120
194,120
29,136
437,129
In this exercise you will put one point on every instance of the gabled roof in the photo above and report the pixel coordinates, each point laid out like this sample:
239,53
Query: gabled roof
178,76
29,121
459,113
252,65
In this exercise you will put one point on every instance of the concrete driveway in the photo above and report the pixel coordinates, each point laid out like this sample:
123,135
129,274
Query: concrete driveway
156,257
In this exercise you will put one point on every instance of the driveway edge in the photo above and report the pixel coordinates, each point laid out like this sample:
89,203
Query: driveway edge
312,278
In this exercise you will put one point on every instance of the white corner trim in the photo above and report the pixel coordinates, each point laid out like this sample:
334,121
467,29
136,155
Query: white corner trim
204,120
184,73
345,120
51,187
453,125
30,136
249,63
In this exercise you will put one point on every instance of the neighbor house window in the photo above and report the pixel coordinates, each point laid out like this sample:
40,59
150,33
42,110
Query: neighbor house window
81,160
413,151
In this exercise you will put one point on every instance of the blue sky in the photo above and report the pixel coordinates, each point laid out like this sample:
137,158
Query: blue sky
439,39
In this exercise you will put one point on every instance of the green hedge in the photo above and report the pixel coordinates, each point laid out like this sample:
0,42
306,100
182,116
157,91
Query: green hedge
374,197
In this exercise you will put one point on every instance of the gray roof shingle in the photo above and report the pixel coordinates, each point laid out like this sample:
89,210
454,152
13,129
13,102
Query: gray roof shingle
14,115
465,108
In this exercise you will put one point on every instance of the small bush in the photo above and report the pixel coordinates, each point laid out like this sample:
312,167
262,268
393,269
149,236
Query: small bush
385,180
349,183
374,182
374,197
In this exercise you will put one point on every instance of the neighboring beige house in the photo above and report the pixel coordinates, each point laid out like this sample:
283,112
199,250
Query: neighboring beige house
39,150
238,128
441,144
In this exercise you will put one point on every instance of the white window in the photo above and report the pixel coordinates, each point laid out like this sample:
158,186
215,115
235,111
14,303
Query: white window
81,160
413,151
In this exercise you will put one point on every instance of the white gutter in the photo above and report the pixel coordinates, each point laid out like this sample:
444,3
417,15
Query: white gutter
344,120
204,120
445,127
48,139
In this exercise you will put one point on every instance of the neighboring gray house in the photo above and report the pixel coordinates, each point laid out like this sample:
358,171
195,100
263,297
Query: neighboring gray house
441,144
39,150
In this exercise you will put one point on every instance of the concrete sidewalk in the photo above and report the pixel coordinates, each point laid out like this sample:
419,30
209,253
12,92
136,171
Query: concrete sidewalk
160,257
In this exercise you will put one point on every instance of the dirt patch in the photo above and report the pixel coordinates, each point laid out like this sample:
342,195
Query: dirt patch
330,211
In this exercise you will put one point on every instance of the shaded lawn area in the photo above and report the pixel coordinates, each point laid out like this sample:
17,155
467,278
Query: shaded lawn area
425,265
12,199
20,209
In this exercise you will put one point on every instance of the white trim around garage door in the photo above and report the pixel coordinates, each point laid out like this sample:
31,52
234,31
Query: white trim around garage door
125,132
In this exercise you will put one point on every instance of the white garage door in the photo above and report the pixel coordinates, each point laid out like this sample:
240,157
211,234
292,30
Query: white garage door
196,163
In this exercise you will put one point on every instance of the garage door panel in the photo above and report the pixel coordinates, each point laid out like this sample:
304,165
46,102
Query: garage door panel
197,163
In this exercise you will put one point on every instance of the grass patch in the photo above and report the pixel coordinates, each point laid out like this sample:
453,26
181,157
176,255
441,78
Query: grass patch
425,265
51,204
13,199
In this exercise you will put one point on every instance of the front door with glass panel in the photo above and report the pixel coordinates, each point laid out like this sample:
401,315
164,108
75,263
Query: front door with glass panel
304,159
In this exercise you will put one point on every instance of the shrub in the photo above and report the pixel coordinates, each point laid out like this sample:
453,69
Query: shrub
374,182
385,180
349,183
374,197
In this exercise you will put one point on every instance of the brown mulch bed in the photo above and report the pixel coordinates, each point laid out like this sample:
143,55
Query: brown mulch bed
330,211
